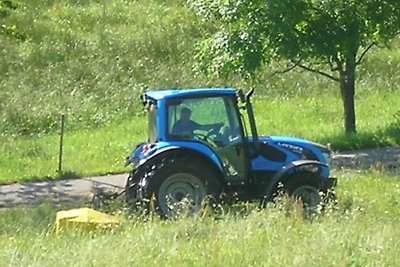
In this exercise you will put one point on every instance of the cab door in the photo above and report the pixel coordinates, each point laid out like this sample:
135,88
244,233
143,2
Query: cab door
232,150
218,124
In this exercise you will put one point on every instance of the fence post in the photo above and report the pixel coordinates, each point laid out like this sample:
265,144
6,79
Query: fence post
62,118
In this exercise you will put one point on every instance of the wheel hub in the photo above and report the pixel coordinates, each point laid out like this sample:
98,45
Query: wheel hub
308,194
181,192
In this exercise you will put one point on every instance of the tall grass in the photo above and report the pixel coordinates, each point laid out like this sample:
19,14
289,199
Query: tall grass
362,231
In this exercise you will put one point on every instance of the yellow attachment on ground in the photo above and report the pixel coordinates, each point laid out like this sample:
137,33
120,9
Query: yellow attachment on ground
89,218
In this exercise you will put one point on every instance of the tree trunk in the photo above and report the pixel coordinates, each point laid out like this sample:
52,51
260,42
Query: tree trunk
347,89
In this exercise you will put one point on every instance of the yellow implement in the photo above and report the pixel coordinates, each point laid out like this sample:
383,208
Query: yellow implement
87,217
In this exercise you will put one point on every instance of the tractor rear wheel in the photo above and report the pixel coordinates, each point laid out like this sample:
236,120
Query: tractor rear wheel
180,186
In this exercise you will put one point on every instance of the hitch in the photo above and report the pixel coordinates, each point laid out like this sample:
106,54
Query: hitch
101,196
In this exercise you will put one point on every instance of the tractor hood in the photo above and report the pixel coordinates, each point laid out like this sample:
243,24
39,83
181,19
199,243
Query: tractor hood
285,141
303,148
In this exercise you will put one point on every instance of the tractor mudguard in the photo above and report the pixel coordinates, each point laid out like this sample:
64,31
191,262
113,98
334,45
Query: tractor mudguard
146,151
139,178
310,166
174,151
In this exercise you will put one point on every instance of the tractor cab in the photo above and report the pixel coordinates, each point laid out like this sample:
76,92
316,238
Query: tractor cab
205,120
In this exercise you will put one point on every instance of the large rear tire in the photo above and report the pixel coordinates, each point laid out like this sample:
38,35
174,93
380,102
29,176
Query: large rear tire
133,192
180,186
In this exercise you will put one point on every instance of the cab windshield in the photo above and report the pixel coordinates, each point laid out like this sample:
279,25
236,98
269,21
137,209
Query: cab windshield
213,120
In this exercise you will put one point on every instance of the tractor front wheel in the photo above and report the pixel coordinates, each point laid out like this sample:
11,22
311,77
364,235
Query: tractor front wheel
306,190
308,195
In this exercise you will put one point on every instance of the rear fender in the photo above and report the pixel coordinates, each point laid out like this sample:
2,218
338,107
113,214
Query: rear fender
295,167
176,151
146,151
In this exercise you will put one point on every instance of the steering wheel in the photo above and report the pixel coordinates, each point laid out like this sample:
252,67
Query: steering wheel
209,138
201,137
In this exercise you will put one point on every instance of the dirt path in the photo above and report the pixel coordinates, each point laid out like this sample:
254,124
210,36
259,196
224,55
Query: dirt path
72,190
31,194
385,159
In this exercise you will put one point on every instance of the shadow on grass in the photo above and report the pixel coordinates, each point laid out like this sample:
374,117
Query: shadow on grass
58,176
68,175
376,150
387,137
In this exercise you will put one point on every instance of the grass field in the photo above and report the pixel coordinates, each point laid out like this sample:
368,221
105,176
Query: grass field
362,231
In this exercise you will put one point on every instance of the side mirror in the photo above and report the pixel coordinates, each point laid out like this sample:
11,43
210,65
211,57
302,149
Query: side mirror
143,99
249,94
241,96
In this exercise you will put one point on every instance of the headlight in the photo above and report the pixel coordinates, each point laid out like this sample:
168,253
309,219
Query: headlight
132,160
327,157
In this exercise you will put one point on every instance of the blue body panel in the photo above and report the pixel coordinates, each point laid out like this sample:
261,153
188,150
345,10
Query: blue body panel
192,93
287,145
259,163
262,164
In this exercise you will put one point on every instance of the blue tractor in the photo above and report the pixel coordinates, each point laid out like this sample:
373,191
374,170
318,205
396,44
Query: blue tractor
202,144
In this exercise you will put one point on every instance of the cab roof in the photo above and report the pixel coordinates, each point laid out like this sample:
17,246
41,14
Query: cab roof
183,93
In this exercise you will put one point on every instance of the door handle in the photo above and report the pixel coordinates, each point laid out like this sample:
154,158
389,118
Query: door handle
238,149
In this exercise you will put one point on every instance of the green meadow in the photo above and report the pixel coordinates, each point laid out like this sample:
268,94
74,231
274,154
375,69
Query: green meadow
362,230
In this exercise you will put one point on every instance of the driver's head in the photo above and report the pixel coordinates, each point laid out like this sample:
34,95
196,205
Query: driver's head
185,114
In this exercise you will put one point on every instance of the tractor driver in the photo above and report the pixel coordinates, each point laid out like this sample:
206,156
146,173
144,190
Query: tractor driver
185,127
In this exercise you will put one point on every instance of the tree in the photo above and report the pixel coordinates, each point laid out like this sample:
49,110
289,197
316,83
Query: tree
6,7
327,37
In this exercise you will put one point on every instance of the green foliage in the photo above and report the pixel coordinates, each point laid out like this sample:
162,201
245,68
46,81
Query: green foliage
330,38
87,152
252,33
396,123
6,7
91,59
